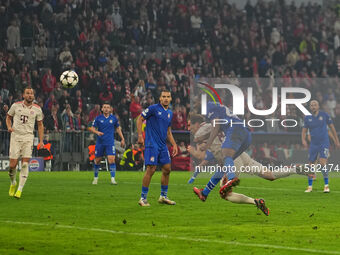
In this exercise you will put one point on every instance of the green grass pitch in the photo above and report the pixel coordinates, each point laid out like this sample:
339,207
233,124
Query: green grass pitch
63,213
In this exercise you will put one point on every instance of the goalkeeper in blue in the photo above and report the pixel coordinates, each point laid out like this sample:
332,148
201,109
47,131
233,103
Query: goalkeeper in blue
104,126
318,124
158,128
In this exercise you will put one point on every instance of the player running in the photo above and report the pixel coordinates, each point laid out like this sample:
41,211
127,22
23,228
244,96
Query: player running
317,125
20,123
104,126
158,128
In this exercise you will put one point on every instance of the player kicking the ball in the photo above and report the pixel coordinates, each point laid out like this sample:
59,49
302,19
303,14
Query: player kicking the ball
20,123
158,128
201,132
244,163
104,127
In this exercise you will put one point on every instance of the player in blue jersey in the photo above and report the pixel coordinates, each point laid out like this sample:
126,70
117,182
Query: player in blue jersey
158,128
104,126
317,124
237,140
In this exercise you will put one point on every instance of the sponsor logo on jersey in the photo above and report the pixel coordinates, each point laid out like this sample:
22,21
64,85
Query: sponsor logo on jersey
111,121
152,159
159,113
320,118
168,115
31,112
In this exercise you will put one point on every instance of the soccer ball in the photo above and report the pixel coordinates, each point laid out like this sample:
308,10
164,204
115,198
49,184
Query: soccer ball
69,79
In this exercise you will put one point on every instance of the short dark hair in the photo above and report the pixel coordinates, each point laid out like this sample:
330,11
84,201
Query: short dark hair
196,118
106,102
27,87
165,91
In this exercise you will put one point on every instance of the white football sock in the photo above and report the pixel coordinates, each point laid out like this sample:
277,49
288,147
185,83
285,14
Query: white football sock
13,175
23,176
240,198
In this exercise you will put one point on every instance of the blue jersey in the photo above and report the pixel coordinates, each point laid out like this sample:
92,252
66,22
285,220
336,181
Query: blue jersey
107,126
317,126
157,122
218,111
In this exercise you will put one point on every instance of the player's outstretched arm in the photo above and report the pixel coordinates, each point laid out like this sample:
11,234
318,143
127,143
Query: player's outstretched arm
41,133
173,143
140,120
303,137
335,135
9,120
120,133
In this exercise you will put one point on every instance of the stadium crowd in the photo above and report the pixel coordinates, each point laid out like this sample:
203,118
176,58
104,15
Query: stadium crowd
126,52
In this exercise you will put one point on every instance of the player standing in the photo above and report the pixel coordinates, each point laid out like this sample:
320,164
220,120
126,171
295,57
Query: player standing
20,123
104,127
317,124
158,128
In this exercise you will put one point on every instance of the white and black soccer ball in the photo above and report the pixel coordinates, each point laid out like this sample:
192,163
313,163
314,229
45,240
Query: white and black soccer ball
69,79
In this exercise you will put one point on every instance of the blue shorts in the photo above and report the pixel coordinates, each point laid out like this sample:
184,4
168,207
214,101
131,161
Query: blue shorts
237,138
318,149
109,150
156,156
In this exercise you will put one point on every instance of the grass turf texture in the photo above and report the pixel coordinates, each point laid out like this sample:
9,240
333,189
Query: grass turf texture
63,213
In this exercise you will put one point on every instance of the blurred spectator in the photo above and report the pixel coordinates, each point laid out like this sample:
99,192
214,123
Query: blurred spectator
116,47
65,58
94,112
67,116
179,120
135,107
49,82
54,121
13,36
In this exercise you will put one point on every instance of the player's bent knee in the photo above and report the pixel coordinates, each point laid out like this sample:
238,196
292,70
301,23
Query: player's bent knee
151,169
166,168
323,161
111,159
166,171
97,161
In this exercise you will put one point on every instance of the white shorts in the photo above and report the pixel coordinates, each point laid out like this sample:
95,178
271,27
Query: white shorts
19,149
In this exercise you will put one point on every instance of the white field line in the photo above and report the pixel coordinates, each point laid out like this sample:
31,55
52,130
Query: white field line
160,236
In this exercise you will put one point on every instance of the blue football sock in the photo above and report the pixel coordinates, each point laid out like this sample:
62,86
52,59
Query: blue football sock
310,181
96,170
164,190
145,191
195,174
229,164
113,170
213,182
325,176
